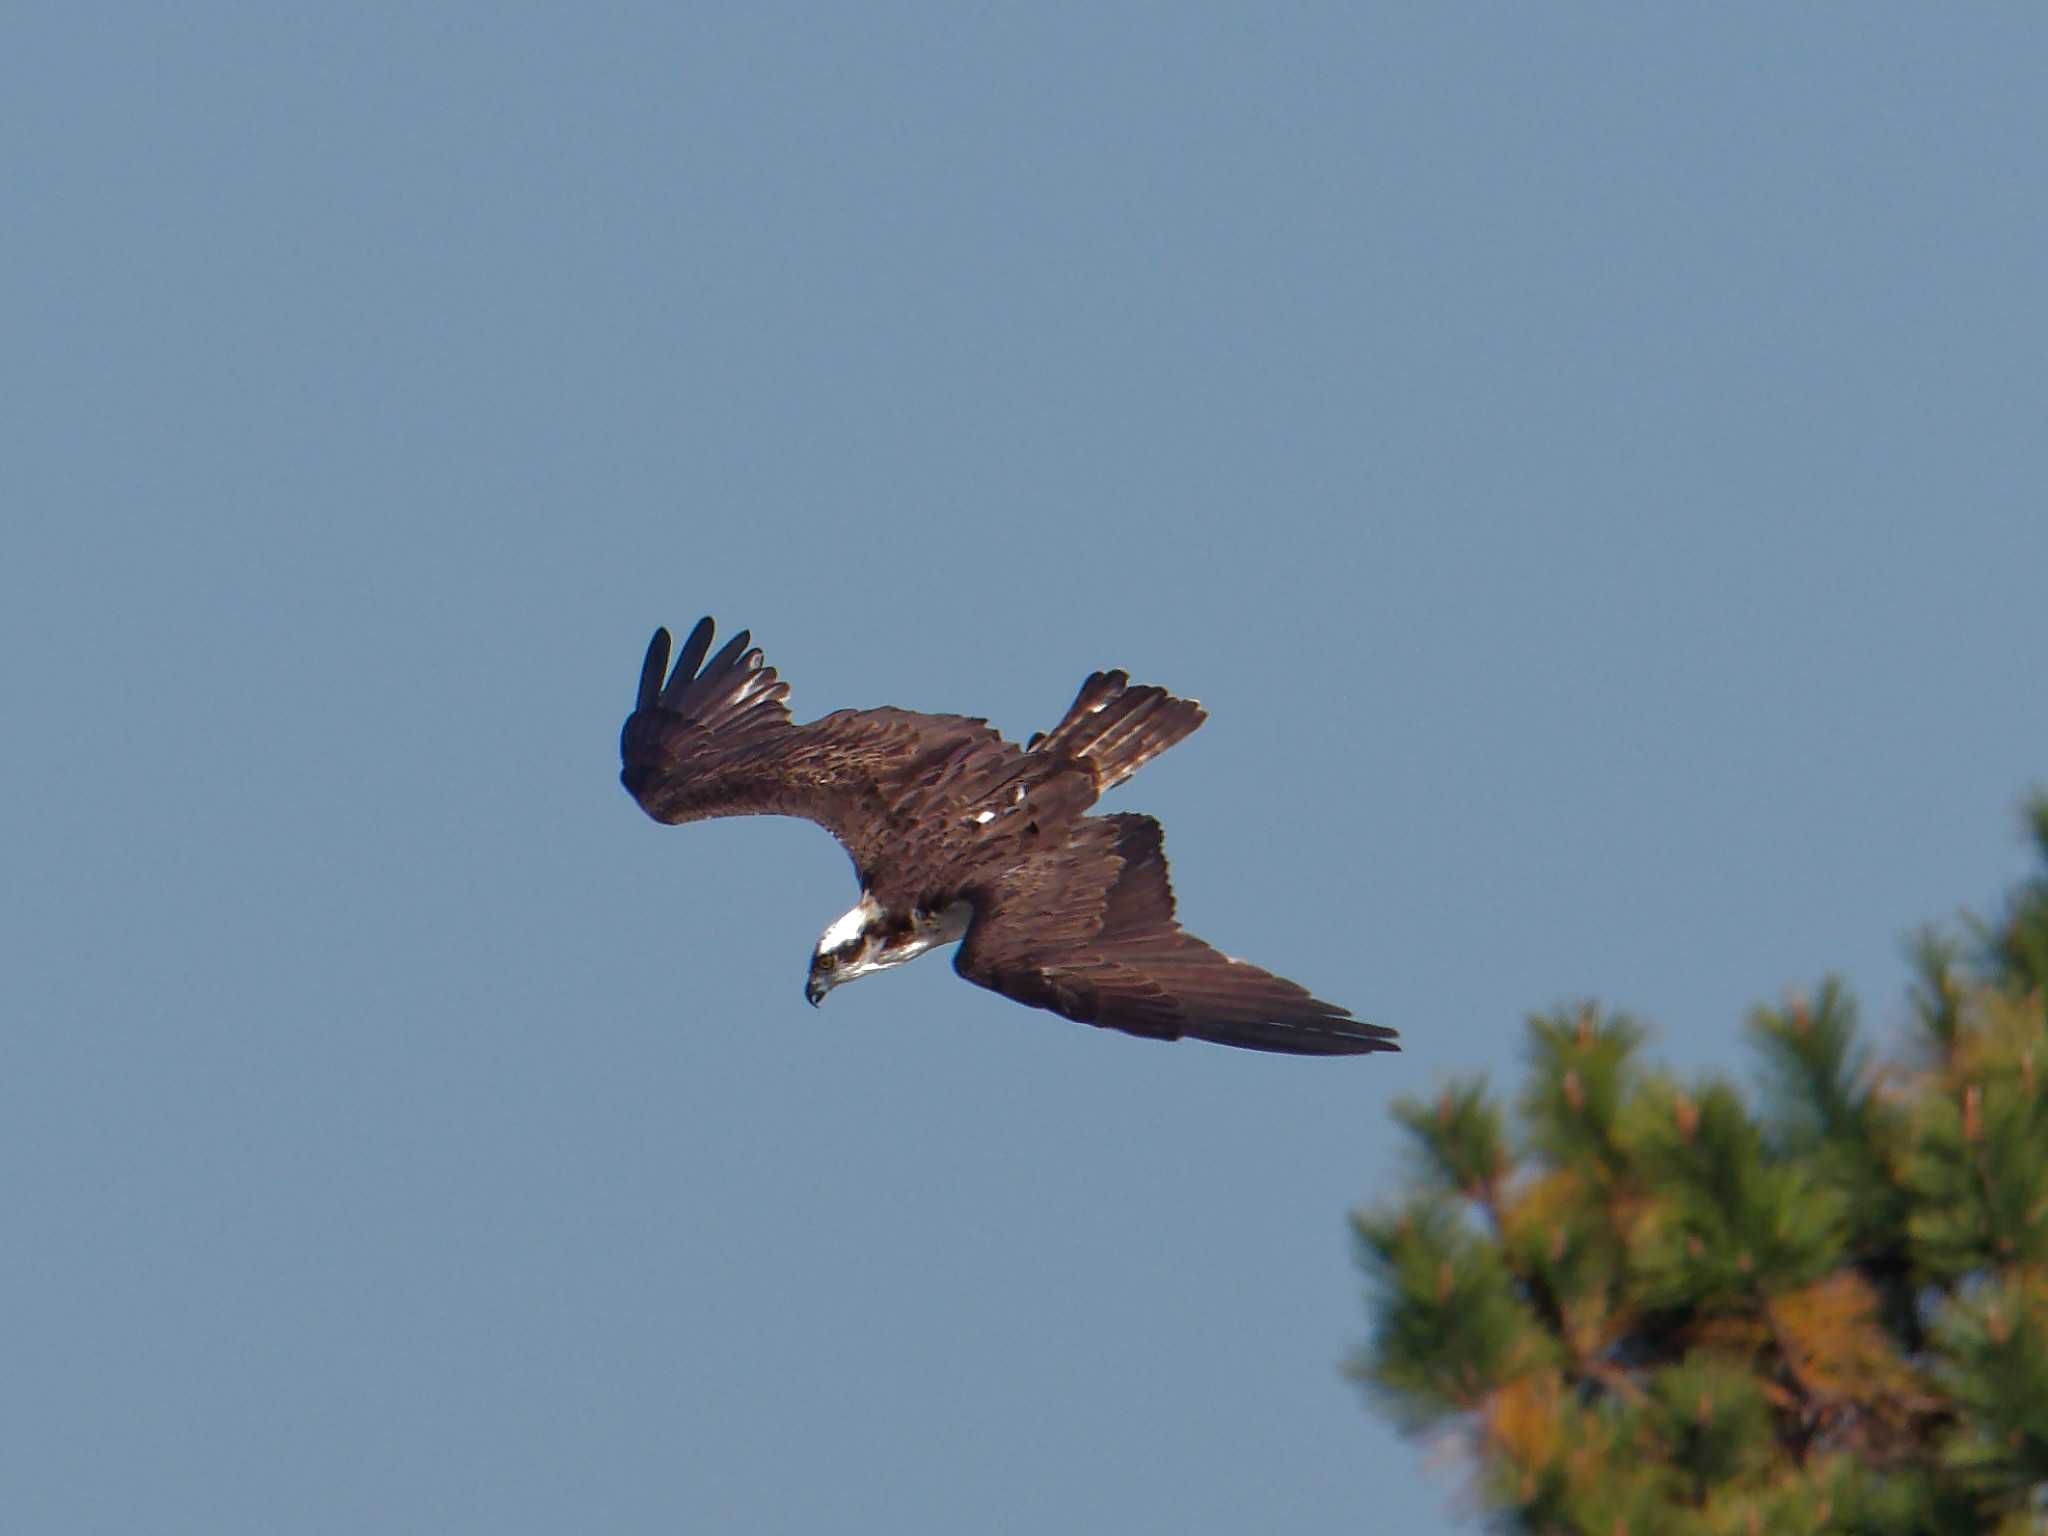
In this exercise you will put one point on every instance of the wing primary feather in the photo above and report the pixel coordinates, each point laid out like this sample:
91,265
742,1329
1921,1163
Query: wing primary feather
691,658
652,668
734,649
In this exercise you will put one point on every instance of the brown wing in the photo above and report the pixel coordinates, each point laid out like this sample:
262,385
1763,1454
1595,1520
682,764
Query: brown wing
716,739
1088,931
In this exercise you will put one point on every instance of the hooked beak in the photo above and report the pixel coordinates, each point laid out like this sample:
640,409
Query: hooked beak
815,990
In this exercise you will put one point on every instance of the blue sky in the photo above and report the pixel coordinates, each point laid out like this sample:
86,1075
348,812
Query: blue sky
1588,461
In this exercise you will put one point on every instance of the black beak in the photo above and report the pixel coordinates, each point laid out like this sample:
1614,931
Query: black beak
814,991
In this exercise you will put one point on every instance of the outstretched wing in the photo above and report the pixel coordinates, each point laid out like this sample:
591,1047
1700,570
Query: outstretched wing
716,739
1088,931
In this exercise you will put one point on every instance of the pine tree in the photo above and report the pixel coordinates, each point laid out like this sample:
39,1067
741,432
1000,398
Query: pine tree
1651,1306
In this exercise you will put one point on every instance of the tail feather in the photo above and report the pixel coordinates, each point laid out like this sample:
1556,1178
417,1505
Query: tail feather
1118,728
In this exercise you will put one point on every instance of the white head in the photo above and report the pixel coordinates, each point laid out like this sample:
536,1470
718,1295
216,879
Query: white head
851,948
868,939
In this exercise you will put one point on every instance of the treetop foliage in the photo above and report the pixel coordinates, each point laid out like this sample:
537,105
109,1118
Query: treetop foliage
1648,1305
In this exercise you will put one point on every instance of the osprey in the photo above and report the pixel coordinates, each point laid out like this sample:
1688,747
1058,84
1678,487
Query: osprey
957,834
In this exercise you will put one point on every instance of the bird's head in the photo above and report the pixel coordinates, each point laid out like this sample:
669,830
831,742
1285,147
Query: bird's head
849,949
869,939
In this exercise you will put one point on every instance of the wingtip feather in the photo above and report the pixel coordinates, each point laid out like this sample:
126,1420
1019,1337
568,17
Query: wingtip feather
652,668
733,649
691,656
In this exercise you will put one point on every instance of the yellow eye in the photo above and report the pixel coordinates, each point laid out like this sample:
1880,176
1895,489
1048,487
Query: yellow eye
826,962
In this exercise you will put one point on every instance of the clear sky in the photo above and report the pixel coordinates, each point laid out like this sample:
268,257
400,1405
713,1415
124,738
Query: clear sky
1588,460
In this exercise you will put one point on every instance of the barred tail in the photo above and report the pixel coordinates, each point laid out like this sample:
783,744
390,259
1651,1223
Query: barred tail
1118,728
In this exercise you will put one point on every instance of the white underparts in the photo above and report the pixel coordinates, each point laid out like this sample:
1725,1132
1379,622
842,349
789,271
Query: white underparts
947,924
928,930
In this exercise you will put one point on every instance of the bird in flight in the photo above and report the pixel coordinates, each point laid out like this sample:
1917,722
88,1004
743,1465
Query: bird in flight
957,834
